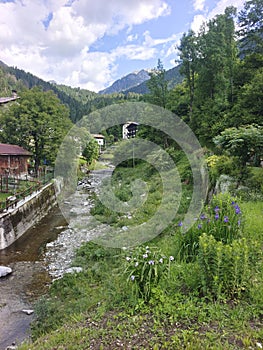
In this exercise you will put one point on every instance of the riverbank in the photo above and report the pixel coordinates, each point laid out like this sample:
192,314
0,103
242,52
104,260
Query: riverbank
42,254
176,305
29,278
27,212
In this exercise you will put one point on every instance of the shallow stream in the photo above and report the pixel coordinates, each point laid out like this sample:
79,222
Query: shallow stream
43,253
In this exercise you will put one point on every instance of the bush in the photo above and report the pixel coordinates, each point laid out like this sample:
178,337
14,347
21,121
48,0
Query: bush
144,269
224,268
221,219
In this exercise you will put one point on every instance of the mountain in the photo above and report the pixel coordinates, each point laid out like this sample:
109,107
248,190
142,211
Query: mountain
78,100
132,83
127,82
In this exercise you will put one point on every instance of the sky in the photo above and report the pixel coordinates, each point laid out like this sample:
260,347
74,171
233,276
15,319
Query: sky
91,43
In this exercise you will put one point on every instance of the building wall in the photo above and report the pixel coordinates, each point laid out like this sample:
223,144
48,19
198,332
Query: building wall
13,164
14,223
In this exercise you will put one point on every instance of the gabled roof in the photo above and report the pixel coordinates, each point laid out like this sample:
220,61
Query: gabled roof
98,136
8,99
7,149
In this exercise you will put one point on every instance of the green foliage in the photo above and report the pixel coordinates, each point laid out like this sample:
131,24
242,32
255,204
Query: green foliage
91,151
145,266
221,218
224,268
244,142
40,122
158,86
250,24
221,164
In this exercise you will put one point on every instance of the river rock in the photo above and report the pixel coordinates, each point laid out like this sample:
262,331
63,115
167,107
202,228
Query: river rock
4,270
74,269
28,311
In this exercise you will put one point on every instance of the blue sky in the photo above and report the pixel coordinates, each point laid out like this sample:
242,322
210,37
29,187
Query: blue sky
91,43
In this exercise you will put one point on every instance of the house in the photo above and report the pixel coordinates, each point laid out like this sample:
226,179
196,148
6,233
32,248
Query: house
4,100
13,160
129,130
99,138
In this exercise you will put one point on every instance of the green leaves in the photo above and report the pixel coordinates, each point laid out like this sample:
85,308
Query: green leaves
37,122
145,267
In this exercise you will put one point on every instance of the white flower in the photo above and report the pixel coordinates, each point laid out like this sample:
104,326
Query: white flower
161,260
136,264
171,258
128,258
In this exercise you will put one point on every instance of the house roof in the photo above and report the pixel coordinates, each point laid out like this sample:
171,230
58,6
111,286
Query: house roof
7,149
98,136
8,99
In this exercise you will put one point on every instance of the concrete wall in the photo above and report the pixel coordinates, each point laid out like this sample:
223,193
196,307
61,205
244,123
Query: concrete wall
17,221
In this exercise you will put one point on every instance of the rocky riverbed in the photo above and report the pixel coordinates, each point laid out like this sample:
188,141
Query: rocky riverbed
42,254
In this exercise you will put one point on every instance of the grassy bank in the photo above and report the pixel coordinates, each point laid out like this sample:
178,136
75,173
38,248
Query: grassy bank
200,290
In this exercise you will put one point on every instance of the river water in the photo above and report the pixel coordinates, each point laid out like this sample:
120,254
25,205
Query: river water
43,253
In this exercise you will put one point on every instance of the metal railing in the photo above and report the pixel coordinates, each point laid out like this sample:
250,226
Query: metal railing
19,189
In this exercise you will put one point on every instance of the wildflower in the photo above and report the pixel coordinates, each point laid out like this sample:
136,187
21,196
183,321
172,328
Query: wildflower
202,216
171,258
132,277
128,258
136,264
180,224
161,260
145,256
151,262
233,203
217,209
238,210
208,220
226,219
239,222
199,226
217,216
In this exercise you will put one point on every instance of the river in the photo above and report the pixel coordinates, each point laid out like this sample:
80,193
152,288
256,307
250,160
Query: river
43,253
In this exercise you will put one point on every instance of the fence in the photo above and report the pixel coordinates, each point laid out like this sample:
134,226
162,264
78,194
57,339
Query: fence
18,189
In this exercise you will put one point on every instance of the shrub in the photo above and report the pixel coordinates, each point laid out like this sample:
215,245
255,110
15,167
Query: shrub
224,268
221,219
144,269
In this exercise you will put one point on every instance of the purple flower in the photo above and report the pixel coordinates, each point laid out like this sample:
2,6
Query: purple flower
238,210
132,277
239,222
202,217
180,224
233,203
217,209
217,216
151,262
226,219
199,226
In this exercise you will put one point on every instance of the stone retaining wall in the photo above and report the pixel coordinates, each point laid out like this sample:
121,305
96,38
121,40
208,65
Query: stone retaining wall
15,222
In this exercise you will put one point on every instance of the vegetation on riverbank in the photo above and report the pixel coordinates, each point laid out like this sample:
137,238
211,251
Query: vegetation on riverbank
192,291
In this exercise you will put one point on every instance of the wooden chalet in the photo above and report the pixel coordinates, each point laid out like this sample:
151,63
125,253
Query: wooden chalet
13,160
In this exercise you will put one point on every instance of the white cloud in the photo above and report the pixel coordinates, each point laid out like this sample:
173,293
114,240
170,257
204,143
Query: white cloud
199,5
197,22
52,38
219,8
222,4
